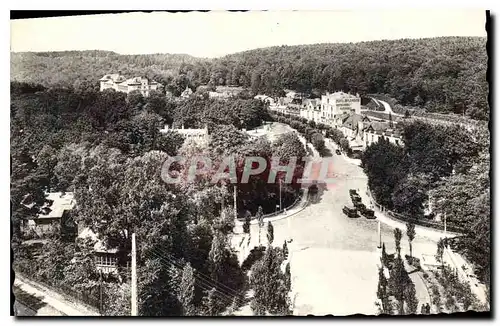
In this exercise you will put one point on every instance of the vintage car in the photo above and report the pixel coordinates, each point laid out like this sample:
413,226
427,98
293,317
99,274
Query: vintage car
356,199
369,214
350,211
360,206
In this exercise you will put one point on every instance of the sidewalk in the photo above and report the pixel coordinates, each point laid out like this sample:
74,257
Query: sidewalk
52,299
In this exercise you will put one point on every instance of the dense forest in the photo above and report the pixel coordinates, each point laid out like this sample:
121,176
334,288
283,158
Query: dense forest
446,74
447,165
107,148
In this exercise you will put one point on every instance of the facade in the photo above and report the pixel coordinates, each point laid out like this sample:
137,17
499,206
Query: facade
54,214
199,136
338,103
225,92
311,110
120,84
106,259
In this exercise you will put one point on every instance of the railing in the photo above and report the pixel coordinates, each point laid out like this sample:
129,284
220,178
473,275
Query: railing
293,205
86,299
416,221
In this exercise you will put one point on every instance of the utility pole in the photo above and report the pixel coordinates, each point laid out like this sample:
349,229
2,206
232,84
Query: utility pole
379,235
445,224
280,192
100,292
134,279
235,206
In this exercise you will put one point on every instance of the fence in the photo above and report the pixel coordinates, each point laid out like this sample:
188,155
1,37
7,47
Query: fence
84,298
404,218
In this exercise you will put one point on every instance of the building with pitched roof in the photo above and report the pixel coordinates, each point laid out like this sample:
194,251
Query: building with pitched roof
54,214
120,84
106,259
311,110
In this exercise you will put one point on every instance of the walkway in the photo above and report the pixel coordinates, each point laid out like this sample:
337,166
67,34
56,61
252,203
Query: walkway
52,299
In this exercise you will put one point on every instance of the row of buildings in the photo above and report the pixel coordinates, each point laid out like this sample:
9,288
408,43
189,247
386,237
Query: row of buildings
341,111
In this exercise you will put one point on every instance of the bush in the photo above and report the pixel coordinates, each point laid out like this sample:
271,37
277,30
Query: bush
255,254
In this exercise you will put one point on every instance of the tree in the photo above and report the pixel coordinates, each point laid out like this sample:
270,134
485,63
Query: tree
260,218
270,285
440,251
246,226
285,250
397,238
270,233
411,299
410,232
382,292
187,287
210,304
384,258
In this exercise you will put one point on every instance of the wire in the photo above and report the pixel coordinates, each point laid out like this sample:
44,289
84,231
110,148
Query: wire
207,282
204,284
209,279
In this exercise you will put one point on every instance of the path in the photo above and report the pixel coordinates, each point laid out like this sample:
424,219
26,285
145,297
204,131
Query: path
56,303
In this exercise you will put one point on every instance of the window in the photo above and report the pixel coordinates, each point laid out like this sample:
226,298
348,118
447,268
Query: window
105,260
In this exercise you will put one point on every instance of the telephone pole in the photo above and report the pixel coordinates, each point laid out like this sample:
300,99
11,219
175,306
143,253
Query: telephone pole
379,235
134,279
280,193
235,206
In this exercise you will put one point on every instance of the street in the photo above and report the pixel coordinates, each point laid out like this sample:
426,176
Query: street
334,258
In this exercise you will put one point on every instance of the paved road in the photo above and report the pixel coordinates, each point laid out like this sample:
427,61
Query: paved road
334,258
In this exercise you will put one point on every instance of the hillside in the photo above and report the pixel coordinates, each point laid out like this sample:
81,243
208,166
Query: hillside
446,74
83,68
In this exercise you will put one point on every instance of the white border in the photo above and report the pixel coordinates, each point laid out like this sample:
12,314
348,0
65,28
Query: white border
186,5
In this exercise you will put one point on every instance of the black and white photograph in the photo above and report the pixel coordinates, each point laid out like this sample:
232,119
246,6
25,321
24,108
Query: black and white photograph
251,163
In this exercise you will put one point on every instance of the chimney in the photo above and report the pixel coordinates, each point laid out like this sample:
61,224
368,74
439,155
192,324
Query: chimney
182,126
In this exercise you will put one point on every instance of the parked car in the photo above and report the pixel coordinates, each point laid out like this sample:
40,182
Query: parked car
356,199
337,152
369,214
360,206
350,211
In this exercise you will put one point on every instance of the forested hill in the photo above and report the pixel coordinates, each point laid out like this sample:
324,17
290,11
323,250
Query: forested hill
446,74
84,68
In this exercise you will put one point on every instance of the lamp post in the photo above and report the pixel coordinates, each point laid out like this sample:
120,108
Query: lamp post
279,180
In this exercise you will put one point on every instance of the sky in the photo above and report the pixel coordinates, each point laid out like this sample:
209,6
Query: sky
214,34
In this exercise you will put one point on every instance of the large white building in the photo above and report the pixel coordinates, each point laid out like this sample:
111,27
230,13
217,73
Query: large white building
120,84
199,136
338,103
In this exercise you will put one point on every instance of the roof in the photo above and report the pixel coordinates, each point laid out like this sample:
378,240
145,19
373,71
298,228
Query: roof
352,120
99,245
117,78
378,126
56,204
